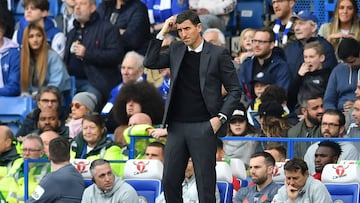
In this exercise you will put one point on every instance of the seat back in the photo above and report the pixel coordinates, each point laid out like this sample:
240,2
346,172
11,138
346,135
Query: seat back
249,14
223,172
13,111
83,166
238,168
226,191
341,173
343,192
278,173
224,181
145,177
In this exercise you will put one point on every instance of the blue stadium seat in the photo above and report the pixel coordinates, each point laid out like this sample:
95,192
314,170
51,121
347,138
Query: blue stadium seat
54,8
344,192
19,10
226,191
13,111
249,14
145,177
146,189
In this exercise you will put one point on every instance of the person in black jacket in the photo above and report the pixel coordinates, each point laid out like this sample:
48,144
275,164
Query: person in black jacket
130,17
93,52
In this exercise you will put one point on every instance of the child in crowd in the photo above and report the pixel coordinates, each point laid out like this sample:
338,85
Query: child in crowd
245,45
36,12
239,126
261,82
312,77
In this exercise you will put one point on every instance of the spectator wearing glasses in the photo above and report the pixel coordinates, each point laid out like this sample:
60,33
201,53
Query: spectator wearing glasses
32,148
48,98
82,103
265,62
332,126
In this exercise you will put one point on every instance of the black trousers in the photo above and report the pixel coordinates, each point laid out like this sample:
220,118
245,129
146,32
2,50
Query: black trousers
195,140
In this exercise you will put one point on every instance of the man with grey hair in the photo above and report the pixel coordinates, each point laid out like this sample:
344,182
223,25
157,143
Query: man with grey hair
305,28
107,188
93,51
132,70
32,148
214,36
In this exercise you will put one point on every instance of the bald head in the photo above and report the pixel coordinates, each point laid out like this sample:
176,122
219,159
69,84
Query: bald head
46,137
6,138
140,118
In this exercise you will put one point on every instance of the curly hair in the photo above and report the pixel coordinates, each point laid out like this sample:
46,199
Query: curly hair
146,95
275,127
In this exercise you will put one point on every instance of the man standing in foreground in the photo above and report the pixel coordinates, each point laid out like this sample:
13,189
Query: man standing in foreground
64,184
195,111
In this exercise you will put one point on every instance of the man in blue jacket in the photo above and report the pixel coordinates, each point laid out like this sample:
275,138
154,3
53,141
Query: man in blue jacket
9,64
343,79
93,51
266,61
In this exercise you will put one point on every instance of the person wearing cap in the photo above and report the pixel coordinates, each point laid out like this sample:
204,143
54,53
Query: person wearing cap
311,76
305,27
343,79
273,122
261,81
272,119
265,61
82,103
239,126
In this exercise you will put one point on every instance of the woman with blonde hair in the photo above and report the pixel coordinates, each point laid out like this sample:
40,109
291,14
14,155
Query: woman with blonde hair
40,65
344,25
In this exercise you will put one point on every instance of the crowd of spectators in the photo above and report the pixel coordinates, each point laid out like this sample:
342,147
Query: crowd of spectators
298,78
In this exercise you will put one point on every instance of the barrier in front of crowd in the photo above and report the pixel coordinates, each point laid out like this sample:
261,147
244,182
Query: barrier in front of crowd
290,141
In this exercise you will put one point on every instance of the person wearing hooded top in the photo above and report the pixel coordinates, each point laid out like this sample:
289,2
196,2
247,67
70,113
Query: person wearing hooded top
107,188
9,64
266,61
311,77
93,144
344,77
36,12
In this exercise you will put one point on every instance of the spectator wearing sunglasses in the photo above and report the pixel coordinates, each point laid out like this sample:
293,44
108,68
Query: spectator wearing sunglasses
82,103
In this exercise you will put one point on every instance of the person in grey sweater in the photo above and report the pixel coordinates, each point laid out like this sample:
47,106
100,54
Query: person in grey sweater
107,188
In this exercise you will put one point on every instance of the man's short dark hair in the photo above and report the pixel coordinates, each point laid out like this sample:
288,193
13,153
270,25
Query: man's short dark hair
49,89
59,150
43,5
304,98
268,30
269,159
278,147
296,164
157,144
334,146
336,112
2,26
188,15
348,47
97,162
